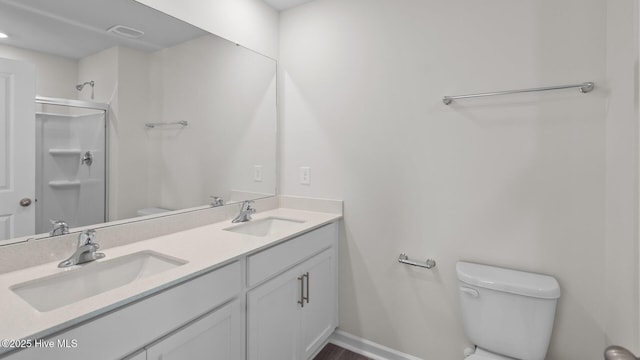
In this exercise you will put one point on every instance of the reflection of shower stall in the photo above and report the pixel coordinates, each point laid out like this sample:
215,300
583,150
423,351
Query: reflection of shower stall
71,162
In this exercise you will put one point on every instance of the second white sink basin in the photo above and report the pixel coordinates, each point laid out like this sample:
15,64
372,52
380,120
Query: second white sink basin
267,226
61,289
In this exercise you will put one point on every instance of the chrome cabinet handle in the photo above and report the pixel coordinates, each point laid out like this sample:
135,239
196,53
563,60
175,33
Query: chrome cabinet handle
301,301
302,289
307,276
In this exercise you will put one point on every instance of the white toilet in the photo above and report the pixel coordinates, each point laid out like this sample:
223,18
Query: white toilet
507,314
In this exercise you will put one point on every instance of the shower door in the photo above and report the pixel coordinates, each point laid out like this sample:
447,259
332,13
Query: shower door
71,163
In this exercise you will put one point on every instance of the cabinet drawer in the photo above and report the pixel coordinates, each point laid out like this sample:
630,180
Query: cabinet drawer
271,261
129,328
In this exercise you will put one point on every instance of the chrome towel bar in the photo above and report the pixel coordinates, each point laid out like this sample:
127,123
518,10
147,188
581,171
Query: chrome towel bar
584,88
404,259
153,125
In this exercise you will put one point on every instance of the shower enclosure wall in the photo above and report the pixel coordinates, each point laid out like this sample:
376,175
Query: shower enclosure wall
70,163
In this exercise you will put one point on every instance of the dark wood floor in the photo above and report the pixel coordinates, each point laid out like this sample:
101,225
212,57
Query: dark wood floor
334,352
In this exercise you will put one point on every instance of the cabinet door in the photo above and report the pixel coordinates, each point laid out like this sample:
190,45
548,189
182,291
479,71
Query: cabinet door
319,314
273,320
279,327
215,336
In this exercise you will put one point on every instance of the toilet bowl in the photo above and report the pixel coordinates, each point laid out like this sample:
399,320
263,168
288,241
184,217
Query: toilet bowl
507,314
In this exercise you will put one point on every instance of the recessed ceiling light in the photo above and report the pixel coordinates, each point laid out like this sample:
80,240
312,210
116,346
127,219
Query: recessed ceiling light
3,35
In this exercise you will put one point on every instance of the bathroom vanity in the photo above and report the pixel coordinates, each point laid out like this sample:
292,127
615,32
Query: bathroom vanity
265,289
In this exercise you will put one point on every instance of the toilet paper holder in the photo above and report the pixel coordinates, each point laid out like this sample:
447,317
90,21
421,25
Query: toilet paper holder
428,264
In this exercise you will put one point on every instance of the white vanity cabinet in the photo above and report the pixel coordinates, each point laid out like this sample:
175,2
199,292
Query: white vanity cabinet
292,314
131,328
276,303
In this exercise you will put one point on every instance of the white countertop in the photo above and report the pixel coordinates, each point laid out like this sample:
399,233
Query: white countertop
205,248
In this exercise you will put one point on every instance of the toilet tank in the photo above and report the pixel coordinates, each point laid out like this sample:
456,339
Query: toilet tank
507,312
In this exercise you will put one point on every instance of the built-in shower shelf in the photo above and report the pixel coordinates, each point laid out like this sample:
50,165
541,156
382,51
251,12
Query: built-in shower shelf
64,184
65,151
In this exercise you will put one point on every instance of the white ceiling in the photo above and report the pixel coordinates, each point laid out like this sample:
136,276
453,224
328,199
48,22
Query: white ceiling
77,28
285,4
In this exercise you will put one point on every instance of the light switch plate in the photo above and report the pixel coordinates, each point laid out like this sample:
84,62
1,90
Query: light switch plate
257,173
305,175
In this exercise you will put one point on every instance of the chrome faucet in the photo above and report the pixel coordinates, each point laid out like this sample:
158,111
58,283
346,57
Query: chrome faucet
618,353
85,252
58,227
216,201
245,212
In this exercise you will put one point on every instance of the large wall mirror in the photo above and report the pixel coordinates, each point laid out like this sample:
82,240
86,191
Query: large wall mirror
136,114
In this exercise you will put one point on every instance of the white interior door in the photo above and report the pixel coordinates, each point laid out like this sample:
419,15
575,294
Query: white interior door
17,149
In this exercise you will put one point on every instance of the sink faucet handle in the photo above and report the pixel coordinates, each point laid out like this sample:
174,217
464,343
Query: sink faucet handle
58,227
246,205
86,237
247,208
216,201
86,250
245,212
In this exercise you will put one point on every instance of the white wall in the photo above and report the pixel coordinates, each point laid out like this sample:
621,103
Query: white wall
122,80
102,68
199,81
516,181
538,182
250,23
621,248
228,95
55,75
133,111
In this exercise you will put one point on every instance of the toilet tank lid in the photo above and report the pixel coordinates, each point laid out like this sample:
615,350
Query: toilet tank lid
507,280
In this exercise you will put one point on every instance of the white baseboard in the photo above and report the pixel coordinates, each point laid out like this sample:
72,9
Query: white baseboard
367,348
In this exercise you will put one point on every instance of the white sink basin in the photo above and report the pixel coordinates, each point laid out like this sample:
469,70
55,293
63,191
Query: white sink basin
266,226
54,291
